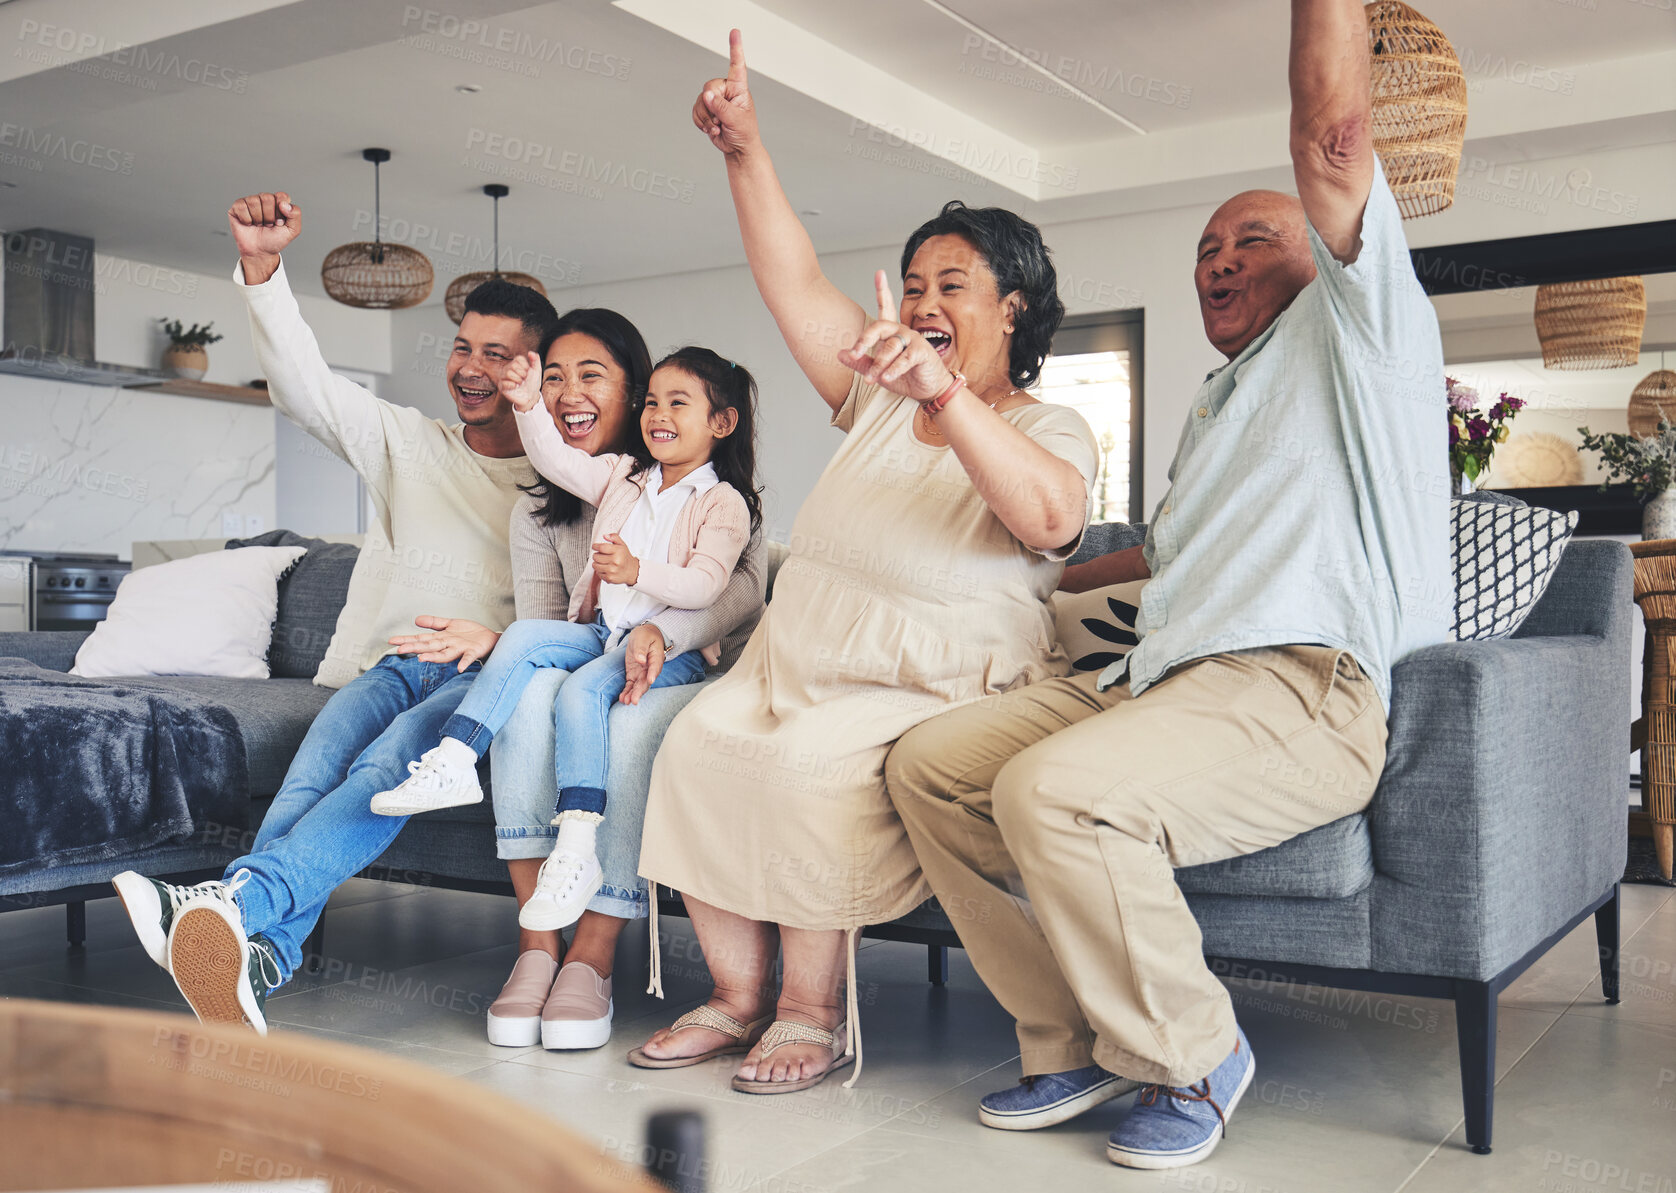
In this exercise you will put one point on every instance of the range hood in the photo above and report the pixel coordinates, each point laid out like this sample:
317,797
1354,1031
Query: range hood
46,328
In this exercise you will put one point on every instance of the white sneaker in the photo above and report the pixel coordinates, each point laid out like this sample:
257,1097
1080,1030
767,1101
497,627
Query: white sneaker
152,906
562,889
436,781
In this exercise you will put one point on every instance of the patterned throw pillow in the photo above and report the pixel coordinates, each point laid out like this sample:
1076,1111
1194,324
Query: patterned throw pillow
1097,628
1504,556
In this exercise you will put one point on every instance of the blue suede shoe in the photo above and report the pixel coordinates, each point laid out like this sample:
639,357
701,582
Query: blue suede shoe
1174,1126
1049,1098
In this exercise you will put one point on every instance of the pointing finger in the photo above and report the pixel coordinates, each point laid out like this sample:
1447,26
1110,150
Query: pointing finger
887,304
736,57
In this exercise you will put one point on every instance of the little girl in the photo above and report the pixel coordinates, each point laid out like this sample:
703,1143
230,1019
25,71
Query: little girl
674,516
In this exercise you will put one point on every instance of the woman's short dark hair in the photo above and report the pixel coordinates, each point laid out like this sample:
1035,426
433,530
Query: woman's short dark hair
1012,248
497,296
627,347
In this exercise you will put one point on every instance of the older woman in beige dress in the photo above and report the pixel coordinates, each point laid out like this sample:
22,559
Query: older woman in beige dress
918,578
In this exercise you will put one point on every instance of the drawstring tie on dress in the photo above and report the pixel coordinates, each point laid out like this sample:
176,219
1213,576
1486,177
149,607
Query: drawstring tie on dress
656,966
852,1006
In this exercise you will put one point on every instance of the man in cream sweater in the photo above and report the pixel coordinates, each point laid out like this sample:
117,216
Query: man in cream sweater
443,495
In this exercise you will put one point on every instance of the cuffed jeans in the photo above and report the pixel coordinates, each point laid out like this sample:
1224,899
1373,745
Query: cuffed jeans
528,751
321,829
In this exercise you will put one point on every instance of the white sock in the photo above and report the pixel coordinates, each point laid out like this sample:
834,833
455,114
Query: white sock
576,835
456,753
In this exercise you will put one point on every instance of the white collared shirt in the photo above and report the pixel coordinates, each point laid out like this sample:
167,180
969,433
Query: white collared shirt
647,532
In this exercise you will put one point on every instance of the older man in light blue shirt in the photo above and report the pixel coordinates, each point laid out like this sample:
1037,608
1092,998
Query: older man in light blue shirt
1300,552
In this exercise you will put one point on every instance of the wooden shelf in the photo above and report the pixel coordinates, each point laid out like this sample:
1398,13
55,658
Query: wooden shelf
185,388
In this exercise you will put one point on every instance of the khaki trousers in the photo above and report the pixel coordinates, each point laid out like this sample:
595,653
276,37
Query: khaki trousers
1050,820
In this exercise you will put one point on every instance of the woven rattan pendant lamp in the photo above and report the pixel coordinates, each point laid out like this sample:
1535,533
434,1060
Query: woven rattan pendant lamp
1655,395
454,302
374,275
1593,324
1419,107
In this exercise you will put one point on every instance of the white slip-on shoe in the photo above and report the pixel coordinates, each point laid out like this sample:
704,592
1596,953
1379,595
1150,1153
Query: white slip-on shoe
436,780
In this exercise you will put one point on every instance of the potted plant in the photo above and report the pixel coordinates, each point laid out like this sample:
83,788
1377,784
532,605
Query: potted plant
1648,463
185,355
1474,433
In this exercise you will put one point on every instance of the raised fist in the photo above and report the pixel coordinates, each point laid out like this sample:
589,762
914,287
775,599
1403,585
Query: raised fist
520,383
262,225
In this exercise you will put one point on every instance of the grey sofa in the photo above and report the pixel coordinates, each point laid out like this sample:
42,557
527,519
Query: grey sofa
1497,827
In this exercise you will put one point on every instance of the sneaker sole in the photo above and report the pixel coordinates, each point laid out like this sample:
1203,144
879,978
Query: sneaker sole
561,1035
135,890
390,807
544,918
207,959
1157,1160
522,1032
1059,1112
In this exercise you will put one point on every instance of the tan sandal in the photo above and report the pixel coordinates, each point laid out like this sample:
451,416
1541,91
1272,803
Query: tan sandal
744,1037
788,1031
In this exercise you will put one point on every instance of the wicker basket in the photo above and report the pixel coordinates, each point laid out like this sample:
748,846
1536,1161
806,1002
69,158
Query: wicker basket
1657,392
377,277
1655,592
1595,324
1419,107
454,301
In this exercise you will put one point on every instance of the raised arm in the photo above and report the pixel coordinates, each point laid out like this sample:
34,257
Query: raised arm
570,468
1332,119
814,316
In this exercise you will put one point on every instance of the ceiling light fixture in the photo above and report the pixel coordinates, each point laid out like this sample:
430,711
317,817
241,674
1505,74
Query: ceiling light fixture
467,88
1419,107
1652,400
1593,324
373,275
454,302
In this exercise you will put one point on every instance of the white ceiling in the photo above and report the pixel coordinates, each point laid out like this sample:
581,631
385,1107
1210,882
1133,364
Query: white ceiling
295,90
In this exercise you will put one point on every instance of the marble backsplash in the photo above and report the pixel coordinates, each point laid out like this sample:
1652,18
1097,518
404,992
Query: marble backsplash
85,468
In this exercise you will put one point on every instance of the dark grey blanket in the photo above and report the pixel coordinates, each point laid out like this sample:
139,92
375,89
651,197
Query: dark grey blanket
91,769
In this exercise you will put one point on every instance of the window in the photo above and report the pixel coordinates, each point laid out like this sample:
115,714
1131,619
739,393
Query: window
1095,369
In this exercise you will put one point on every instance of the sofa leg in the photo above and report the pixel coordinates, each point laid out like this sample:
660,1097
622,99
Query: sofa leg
75,923
1606,937
1475,1030
937,963
314,948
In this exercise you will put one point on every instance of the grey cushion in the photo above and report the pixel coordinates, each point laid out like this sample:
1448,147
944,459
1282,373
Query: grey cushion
311,595
273,715
1102,538
55,650
1334,861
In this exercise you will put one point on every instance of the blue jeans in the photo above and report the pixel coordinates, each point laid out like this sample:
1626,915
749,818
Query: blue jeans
527,646
320,829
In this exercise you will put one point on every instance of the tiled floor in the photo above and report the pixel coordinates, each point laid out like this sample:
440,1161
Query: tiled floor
1349,1096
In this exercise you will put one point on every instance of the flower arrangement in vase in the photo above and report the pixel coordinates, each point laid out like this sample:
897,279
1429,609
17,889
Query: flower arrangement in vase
185,355
1648,464
1474,433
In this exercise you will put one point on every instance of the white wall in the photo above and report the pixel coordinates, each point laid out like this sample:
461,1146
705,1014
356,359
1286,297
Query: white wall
94,469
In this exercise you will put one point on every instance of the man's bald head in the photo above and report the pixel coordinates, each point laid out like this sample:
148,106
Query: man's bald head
1253,259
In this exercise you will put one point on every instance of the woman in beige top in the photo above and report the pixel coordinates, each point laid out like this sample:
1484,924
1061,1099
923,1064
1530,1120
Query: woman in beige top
918,578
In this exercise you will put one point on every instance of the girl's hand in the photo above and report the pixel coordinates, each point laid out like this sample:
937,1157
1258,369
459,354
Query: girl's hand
614,562
894,355
450,638
643,661
521,383
723,110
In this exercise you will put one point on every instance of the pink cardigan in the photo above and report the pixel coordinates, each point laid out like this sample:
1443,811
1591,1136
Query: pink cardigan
710,531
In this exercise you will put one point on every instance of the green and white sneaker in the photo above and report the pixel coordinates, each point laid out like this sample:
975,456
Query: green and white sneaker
222,974
152,907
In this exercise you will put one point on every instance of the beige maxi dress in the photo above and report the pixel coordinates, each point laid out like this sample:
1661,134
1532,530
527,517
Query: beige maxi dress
902,597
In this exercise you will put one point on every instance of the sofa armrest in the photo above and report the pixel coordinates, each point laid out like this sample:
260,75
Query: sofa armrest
1501,811
54,650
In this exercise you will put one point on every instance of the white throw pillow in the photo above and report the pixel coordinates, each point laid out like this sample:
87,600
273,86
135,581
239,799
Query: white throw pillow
209,614
1504,556
1096,628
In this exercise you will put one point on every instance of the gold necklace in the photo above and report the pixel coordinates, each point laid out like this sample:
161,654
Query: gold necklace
928,428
